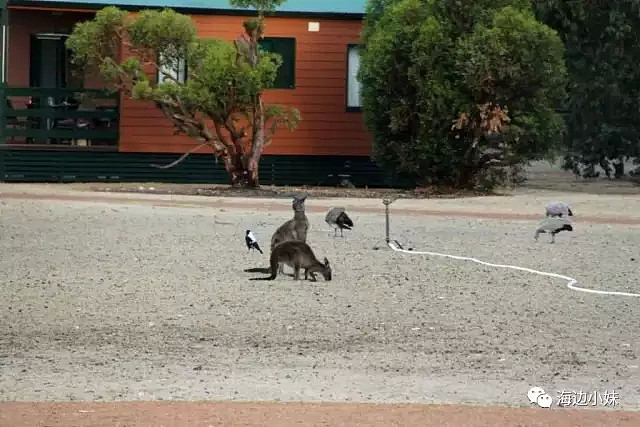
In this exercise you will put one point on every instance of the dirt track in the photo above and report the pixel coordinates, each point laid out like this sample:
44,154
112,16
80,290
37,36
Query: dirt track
254,414
128,298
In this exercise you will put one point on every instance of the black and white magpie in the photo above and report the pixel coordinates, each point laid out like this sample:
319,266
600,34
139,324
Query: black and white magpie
338,218
252,243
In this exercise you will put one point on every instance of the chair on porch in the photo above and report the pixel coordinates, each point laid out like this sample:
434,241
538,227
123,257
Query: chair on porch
70,124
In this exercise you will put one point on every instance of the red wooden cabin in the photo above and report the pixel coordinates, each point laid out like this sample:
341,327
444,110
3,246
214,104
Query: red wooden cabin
111,137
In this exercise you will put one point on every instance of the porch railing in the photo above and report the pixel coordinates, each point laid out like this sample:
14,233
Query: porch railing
59,117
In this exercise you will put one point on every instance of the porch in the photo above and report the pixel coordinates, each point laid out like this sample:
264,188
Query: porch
46,101
37,117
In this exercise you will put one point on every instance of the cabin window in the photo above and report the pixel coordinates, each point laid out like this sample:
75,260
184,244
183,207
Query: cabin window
353,85
176,70
286,48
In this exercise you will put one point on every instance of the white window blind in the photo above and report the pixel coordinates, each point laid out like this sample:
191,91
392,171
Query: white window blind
353,85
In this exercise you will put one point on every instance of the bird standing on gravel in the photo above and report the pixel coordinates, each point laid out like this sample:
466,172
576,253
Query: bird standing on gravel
252,243
338,218
558,209
553,226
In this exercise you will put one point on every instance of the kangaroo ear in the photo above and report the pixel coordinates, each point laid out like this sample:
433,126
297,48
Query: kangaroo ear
326,262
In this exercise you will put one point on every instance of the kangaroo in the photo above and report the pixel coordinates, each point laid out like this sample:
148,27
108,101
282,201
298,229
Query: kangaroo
294,229
298,255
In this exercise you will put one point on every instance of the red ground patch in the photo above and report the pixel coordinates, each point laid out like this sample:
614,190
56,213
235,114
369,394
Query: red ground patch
260,203
205,414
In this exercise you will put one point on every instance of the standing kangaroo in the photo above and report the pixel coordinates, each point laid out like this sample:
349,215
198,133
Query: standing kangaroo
294,229
298,255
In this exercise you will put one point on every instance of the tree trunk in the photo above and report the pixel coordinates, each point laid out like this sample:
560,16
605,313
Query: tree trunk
258,141
467,176
468,170
241,174
618,167
243,168
604,164
252,168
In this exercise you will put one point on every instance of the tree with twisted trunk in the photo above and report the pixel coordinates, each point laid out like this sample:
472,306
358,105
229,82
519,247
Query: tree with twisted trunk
217,98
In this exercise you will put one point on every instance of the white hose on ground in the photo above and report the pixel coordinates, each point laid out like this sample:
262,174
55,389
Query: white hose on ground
571,281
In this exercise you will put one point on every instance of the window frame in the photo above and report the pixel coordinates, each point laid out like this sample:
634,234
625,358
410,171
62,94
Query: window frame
348,108
185,70
293,62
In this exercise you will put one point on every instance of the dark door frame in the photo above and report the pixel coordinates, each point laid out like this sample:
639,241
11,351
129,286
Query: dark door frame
35,67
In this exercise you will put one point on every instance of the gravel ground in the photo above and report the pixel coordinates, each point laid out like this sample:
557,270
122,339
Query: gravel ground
124,301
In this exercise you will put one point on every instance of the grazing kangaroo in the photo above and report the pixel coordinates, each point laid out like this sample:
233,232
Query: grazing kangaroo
294,229
298,255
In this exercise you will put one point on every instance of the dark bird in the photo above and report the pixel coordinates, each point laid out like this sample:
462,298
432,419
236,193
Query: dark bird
338,218
558,209
252,243
553,226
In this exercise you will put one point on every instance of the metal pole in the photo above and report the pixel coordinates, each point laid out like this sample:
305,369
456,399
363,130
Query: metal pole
4,61
4,22
3,77
386,212
387,202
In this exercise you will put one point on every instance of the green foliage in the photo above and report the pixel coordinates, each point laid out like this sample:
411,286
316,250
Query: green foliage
603,53
164,36
219,103
259,5
460,93
217,84
374,10
97,43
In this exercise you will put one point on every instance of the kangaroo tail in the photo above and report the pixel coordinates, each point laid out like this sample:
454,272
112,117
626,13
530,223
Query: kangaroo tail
273,269
258,270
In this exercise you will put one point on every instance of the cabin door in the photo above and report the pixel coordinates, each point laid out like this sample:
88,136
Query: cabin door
48,69
49,61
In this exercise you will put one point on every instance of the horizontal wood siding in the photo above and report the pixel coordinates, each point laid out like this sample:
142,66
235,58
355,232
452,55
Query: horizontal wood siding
19,165
326,127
